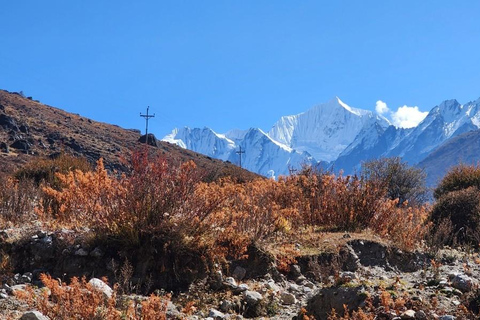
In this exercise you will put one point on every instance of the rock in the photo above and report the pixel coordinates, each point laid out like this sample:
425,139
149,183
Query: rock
216,280
420,315
4,147
27,277
409,314
41,234
215,314
101,286
271,285
18,287
227,306
230,281
241,288
287,298
97,253
21,144
462,282
34,315
295,271
330,298
81,252
8,122
347,276
253,306
151,140
239,273
252,297
446,317
3,295
172,311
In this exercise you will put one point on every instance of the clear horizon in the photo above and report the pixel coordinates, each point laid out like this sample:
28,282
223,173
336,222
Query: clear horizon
228,65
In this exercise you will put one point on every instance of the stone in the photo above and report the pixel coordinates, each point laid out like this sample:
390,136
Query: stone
347,276
409,314
287,298
271,285
34,315
41,234
326,299
252,303
27,277
241,288
215,314
101,286
462,282
420,315
227,306
231,281
81,252
21,144
239,273
97,253
252,297
295,271
446,317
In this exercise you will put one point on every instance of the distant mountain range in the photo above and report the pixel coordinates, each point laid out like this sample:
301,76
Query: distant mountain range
341,137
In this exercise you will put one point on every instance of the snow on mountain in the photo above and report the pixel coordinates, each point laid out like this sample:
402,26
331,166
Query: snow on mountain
333,132
443,122
447,120
262,154
204,141
325,130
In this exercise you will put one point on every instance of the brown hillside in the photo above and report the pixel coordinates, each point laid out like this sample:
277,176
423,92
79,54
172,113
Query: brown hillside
30,129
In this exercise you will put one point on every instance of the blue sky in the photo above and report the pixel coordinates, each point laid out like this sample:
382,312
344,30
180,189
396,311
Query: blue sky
237,64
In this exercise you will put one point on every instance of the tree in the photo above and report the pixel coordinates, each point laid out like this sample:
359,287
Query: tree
401,181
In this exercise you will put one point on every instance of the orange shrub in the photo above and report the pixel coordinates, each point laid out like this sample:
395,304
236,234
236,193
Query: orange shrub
80,300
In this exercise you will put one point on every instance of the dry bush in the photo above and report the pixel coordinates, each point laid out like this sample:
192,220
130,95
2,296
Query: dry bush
44,170
169,202
17,201
80,300
405,226
340,202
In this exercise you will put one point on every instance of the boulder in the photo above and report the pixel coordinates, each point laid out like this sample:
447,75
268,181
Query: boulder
321,305
34,315
101,286
21,144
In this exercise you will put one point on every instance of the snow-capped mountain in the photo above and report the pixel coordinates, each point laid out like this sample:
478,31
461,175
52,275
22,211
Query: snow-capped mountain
204,141
333,132
443,122
262,154
325,130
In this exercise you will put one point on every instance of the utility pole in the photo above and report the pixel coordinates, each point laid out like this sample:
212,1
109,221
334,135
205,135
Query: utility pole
292,170
240,153
147,116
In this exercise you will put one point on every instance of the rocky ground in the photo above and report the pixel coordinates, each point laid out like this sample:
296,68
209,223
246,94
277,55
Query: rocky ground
361,274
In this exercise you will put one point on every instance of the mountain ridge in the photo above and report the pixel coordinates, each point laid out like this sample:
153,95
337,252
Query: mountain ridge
345,136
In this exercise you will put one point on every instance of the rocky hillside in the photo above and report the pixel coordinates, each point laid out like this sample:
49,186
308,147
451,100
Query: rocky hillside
30,129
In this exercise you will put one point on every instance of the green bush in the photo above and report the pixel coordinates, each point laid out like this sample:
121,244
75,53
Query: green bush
462,208
458,178
401,181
